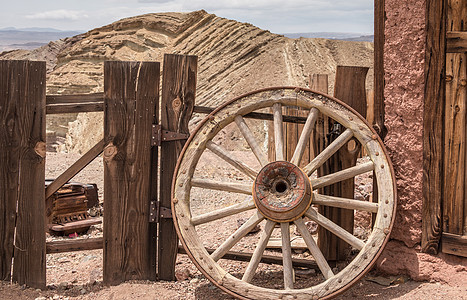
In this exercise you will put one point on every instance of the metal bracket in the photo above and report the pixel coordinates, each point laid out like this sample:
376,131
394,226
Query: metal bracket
159,135
157,212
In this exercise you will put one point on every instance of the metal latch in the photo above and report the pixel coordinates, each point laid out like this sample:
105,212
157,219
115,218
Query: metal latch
156,212
159,135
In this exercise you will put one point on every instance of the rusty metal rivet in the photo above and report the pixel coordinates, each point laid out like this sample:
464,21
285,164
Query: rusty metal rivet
196,143
296,90
340,281
227,113
373,245
211,118
184,172
324,101
382,166
365,256
210,268
239,105
186,228
377,153
374,136
386,230
180,184
295,296
350,118
175,201
204,131
360,127
247,290
326,288
182,215
385,215
387,201
201,258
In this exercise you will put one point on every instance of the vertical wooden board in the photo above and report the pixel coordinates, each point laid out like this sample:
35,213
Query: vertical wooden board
433,123
9,162
350,88
131,92
454,143
27,90
291,133
379,20
178,99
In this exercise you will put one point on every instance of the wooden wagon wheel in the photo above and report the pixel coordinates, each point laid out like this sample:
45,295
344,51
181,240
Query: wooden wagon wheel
283,195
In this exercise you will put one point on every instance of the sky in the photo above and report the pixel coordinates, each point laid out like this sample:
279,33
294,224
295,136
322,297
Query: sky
278,16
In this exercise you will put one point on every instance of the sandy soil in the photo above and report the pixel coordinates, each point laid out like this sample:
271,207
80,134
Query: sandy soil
78,275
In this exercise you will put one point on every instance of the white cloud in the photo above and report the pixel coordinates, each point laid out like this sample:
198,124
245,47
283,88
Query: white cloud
59,15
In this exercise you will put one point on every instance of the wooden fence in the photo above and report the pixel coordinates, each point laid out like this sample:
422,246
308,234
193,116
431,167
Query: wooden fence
132,134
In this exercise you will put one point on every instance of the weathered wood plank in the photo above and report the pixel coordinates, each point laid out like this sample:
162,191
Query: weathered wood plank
265,259
454,244
75,98
74,245
433,113
74,108
131,94
456,42
350,88
455,117
378,113
9,163
178,98
23,117
454,143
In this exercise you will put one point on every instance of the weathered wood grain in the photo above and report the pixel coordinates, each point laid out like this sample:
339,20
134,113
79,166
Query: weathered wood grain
454,244
131,95
22,174
178,99
74,245
433,113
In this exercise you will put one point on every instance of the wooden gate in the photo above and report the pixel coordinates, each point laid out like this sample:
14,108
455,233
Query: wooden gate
134,208
445,180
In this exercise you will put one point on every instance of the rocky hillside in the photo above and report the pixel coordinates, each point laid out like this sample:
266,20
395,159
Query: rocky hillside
233,57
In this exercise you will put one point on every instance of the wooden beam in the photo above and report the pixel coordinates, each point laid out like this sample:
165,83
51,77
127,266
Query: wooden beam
74,245
265,259
131,92
456,41
75,98
74,108
433,124
378,100
454,244
178,99
22,171
74,169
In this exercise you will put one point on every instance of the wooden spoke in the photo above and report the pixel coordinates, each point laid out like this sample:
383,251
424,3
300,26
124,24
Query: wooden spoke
258,253
287,256
226,156
305,136
314,249
278,132
237,235
342,175
223,212
344,203
335,229
251,140
222,186
328,152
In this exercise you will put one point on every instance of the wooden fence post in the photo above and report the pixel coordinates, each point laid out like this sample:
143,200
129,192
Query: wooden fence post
350,88
131,97
22,171
178,99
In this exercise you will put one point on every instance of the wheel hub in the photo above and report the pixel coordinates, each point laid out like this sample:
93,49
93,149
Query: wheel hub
282,192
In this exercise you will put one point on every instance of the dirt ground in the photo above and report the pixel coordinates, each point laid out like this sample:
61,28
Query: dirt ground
78,275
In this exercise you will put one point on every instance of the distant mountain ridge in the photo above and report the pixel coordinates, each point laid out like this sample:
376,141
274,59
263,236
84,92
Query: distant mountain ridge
343,36
30,38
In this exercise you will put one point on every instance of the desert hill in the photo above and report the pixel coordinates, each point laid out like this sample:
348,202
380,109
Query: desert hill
234,57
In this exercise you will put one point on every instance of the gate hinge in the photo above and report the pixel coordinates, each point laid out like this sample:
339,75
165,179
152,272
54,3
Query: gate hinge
156,212
159,135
